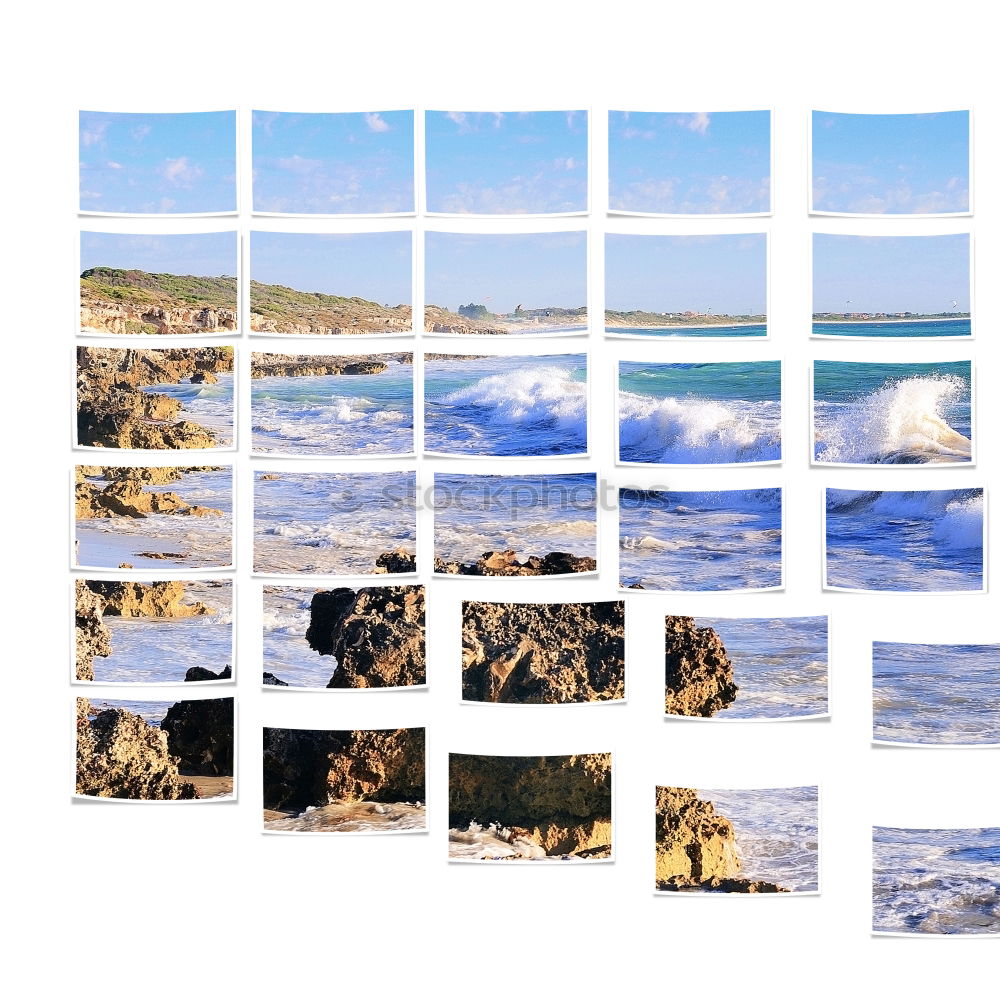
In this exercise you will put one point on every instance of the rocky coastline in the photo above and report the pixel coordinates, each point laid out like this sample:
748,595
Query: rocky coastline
562,804
696,847
296,365
125,495
543,654
281,310
698,671
506,564
114,412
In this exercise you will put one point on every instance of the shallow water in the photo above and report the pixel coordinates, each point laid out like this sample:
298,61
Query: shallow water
204,542
700,541
152,711
337,415
936,881
777,833
533,515
332,523
779,664
160,650
750,330
494,843
726,412
905,540
287,655
353,817
506,406
899,328
931,694
901,413
207,404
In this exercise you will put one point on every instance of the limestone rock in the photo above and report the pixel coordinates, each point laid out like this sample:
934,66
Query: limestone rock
506,564
121,756
543,653
127,599
267,365
397,561
93,638
694,844
699,673
315,767
376,635
562,803
201,735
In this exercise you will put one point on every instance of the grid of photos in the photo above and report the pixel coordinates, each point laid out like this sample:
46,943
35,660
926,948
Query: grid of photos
428,460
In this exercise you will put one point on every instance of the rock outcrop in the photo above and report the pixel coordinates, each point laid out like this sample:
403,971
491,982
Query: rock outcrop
699,673
93,637
204,674
121,756
288,365
376,635
113,412
543,654
201,735
315,767
506,564
128,498
562,804
696,846
128,599
270,680
396,561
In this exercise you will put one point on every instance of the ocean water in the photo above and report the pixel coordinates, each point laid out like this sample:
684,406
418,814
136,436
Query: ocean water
203,542
695,414
506,406
700,541
160,650
935,695
777,832
353,817
332,523
904,540
494,843
334,415
152,711
892,414
533,515
210,405
936,881
779,664
896,328
735,330
287,655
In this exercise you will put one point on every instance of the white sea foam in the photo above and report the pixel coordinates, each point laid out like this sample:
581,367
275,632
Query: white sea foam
527,396
702,431
901,421
961,527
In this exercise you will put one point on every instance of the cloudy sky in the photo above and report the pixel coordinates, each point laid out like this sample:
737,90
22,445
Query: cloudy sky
207,255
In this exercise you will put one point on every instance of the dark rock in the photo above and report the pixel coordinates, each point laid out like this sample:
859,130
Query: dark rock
272,681
506,564
204,674
699,673
201,735
397,561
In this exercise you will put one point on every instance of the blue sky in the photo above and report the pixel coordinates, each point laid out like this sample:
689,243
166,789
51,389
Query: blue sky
675,273
203,254
373,266
158,163
333,164
890,273
506,163
890,164
698,163
502,271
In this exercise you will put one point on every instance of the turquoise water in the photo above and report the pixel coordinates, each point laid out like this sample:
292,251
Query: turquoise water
720,330
719,413
936,881
896,328
207,404
336,415
529,406
533,515
929,540
933,695
700,541
779,664
892,413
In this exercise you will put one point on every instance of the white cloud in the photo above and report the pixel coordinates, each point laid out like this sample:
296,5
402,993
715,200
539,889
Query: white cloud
114,165
298,164
376,123
95,134
699,122
180,171
140,132
460,118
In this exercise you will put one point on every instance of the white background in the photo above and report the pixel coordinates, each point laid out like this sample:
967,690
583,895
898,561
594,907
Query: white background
128,900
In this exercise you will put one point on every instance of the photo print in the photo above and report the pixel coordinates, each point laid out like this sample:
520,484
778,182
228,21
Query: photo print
159,284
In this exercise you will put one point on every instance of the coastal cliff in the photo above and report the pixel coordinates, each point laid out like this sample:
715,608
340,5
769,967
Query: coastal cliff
543,653
280,309
376,635
699,673
562,804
